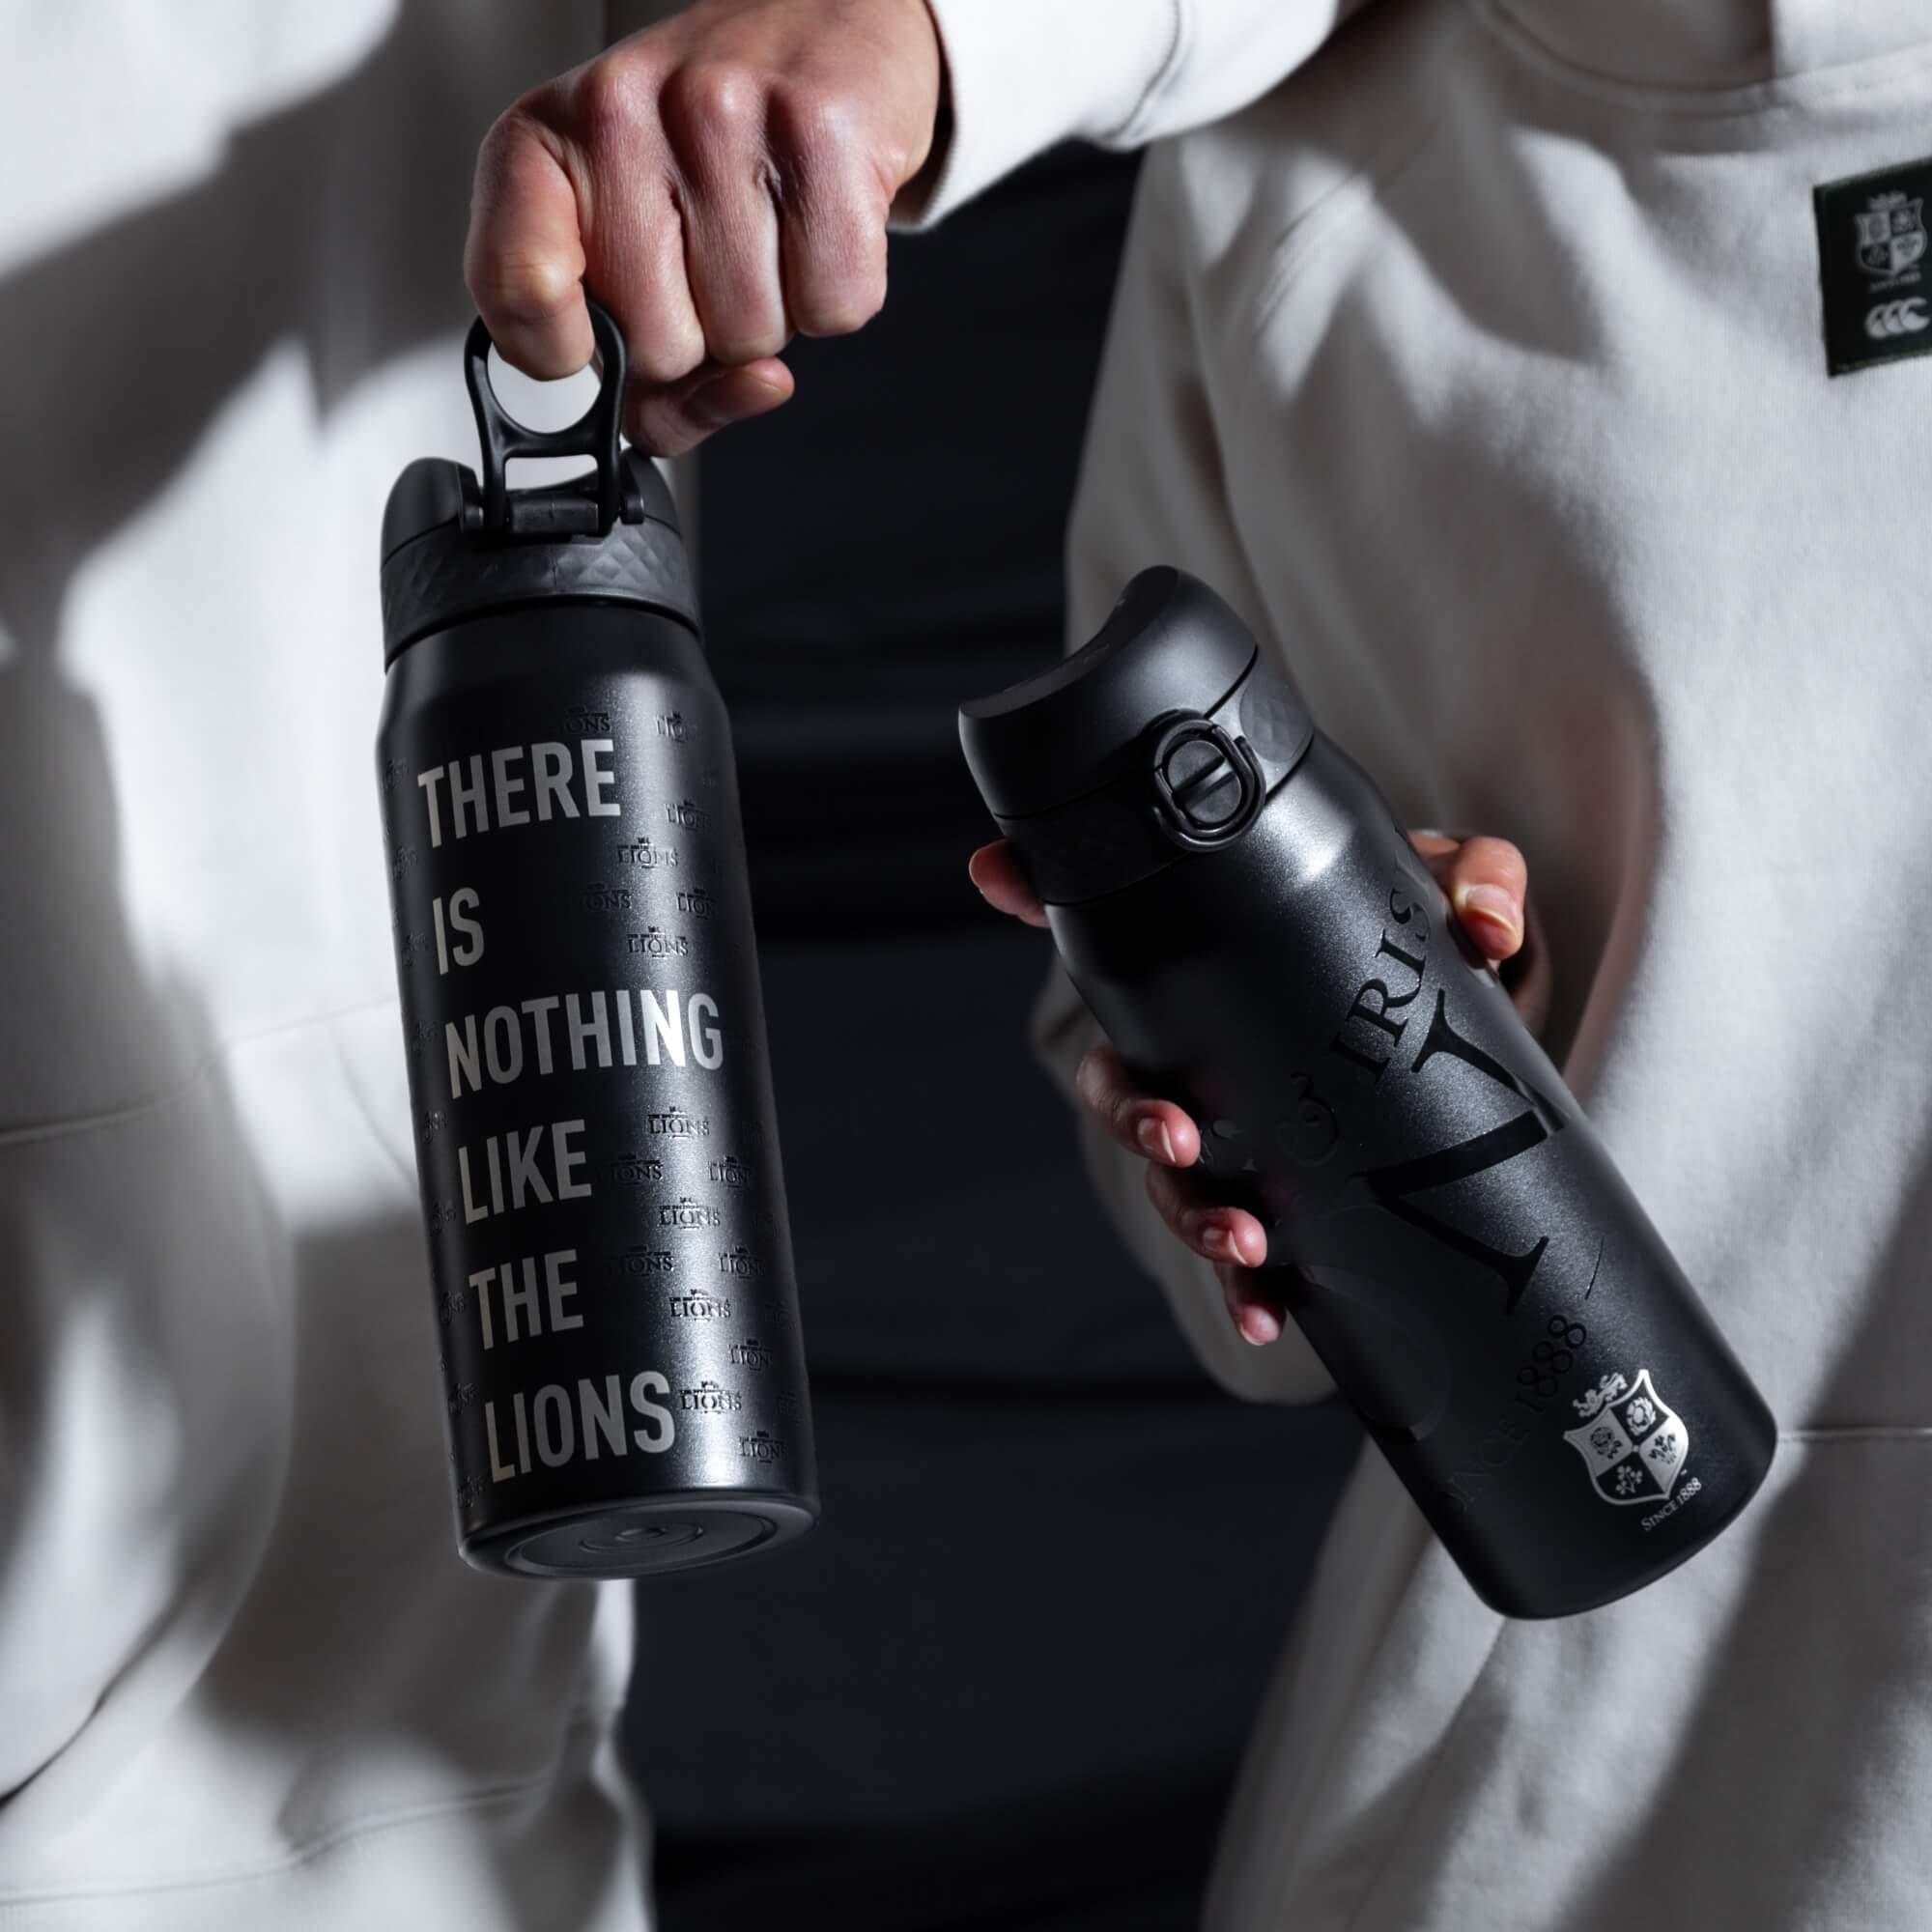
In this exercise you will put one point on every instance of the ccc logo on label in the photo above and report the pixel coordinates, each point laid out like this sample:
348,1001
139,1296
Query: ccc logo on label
1897,318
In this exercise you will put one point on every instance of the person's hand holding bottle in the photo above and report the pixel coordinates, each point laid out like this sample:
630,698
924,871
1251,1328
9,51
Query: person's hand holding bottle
1488,884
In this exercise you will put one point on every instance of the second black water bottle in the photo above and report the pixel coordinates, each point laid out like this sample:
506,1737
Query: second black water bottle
1237,905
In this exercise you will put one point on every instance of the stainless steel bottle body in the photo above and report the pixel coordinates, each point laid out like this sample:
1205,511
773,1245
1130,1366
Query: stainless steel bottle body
597,1145
1449,1231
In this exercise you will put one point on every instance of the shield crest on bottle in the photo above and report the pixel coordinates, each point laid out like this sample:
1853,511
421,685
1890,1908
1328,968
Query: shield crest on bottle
1632,1441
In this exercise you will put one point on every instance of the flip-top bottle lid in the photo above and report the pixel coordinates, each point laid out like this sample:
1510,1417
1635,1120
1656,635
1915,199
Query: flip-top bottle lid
456,544
1169,645
1161,736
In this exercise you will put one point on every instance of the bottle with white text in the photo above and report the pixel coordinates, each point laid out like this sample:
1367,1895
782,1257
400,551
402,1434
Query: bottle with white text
622,1366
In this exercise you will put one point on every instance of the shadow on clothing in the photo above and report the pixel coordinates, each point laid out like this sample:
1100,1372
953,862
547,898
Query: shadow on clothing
236,1341
124,343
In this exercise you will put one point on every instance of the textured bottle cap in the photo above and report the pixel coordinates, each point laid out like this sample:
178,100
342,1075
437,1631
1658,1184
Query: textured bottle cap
1159,737
439,566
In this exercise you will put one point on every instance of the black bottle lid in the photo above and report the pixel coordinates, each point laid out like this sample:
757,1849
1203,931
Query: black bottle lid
1162,735
457,545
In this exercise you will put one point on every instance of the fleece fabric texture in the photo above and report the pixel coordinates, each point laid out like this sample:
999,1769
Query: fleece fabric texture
245,1681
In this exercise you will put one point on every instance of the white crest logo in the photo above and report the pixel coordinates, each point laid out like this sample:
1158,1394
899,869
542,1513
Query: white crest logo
1632,1441
1892,234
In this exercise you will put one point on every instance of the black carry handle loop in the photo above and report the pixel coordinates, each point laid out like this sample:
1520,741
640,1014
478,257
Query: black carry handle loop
565,509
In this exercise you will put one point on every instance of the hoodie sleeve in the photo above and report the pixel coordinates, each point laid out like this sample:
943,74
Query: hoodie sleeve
1023,74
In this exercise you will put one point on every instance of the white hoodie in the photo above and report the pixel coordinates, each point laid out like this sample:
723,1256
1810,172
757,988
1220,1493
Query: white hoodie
245,1681
1481,364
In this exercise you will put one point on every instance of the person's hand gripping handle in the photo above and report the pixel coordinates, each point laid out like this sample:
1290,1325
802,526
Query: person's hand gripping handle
720,183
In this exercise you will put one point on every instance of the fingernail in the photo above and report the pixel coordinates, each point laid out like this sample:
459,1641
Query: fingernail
1258,1328
1492,903
1151,1130
1218,1242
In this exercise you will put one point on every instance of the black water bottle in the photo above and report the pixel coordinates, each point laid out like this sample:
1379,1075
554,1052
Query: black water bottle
1238,907
595,1136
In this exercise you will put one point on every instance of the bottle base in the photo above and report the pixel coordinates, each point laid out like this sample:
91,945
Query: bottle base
681,1530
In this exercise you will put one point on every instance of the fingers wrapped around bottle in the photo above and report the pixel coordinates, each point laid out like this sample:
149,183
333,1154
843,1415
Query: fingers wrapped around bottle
1487,883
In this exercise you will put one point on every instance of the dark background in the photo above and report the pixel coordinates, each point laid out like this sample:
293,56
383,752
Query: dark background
1007,1681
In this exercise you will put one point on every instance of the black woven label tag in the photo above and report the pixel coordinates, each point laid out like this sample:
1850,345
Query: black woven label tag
1873,260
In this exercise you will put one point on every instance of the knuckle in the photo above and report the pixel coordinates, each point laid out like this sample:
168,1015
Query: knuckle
523,290
825,128
612,101
502,142
714,102
517,147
